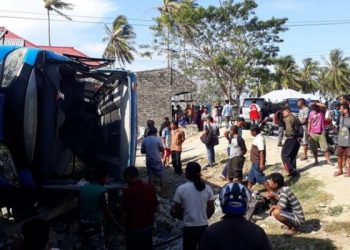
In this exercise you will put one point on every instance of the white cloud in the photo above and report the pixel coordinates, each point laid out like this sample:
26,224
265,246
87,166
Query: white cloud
93,49
79,35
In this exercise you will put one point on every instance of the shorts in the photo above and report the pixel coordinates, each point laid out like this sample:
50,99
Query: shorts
167,152
235,167
316,139
343,151
256,175
304,141
292,218
155,170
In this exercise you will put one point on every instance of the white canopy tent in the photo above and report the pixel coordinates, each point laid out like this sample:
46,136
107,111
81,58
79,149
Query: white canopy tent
282,94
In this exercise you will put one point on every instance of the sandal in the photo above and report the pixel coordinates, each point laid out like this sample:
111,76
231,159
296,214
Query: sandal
290,232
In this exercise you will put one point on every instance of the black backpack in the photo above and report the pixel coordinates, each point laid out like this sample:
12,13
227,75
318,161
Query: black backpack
298,128
209,138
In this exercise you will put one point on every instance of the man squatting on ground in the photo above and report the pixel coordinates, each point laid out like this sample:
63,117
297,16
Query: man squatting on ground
288,210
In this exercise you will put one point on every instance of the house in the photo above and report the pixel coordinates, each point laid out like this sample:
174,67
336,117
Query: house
157,89
7,37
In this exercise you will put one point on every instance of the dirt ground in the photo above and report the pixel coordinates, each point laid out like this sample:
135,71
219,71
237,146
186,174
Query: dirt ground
325,198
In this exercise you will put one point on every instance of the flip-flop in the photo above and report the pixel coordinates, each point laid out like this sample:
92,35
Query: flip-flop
337,174
290,232
346,175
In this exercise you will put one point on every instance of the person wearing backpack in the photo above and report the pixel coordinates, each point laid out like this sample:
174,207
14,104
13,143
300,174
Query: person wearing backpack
210,138
291,145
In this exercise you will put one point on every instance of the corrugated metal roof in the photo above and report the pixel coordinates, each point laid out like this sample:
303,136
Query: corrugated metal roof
14,42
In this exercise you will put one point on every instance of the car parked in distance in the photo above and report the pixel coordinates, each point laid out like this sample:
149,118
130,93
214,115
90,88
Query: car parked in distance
244,111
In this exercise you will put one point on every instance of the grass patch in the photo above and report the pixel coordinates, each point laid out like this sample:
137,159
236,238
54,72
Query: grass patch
310,196
333,227
335,211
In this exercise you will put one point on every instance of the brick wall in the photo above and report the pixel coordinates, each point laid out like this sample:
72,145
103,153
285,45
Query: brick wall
155,91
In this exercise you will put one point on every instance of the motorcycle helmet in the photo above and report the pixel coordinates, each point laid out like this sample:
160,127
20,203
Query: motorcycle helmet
234,199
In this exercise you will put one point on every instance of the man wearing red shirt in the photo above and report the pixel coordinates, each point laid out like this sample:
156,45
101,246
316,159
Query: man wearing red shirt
254,113
139,205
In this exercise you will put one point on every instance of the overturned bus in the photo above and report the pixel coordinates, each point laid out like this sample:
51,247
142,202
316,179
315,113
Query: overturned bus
60,111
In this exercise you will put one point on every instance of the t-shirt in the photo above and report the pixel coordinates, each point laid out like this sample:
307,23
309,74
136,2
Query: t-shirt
290,203
227,110
344,134
167,135
152,147
140,203
316,121
204,116
290,123
214,126
254,110
234,233
177,138
194,203
303,116
236,146
259,144
219,110
92,196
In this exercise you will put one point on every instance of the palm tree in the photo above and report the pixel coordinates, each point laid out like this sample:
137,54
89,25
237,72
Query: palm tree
120,40
309,75
166,21
337,72
56,6
287,73
323,83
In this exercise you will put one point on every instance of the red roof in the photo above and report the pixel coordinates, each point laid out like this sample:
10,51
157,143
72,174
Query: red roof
10,35
58,49
62,50
10,38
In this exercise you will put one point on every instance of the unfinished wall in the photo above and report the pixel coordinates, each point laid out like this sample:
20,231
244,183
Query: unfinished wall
155,89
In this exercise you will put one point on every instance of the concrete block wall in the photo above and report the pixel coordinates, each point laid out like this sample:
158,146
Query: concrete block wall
155,91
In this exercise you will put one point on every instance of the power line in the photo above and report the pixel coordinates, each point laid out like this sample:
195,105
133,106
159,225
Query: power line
93,17
63,20
288,24
317,24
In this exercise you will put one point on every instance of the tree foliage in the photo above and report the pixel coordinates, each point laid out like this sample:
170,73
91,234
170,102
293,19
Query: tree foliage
231,48
225,44
56,6
120,39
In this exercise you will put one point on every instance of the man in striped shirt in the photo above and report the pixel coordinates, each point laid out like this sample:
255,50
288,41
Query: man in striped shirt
288,209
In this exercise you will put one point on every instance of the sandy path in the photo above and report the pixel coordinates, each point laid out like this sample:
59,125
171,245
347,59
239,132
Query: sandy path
338,187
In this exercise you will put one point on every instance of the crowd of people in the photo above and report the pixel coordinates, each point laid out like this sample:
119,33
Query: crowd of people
194,199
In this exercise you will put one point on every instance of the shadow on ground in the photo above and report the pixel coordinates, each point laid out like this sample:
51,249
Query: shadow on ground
301,243
313,225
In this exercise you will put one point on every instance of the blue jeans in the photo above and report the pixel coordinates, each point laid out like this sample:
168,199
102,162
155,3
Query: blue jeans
224,171
256,175
211,154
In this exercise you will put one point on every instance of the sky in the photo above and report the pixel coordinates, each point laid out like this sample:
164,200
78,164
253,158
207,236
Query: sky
299,41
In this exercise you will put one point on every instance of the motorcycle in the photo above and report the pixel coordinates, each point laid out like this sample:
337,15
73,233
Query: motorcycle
266,126
332,140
